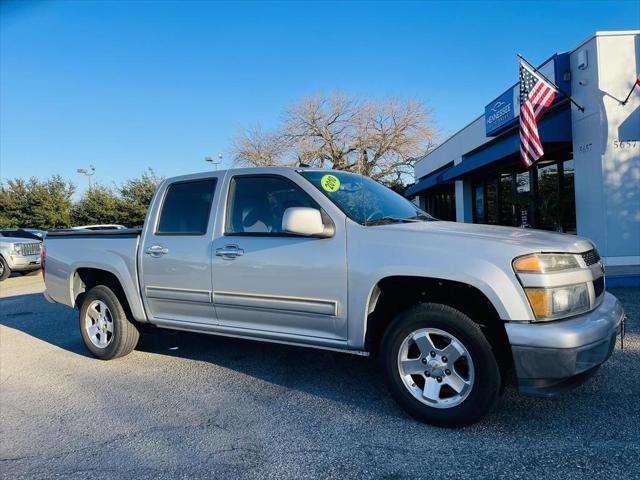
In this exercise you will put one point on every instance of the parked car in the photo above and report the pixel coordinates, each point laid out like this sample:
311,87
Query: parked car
335,260
19,252
107,226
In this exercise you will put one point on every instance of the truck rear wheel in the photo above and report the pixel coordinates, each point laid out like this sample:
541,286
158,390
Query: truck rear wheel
105,328
439,366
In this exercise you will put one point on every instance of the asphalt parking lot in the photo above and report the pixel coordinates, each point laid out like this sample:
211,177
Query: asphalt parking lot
192,406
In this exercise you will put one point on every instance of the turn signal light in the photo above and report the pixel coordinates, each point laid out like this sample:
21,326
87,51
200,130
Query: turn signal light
550,303
540,301
527,264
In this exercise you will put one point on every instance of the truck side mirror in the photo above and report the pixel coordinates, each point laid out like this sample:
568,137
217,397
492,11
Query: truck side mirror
305,221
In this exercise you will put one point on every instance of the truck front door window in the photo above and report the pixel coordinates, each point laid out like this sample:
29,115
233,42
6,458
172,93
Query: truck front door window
257,204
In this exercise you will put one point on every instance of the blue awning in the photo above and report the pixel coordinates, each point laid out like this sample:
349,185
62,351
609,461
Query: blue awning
553,128
426,183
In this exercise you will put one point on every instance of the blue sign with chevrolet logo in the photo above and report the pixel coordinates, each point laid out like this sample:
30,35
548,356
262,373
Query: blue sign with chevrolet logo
500,113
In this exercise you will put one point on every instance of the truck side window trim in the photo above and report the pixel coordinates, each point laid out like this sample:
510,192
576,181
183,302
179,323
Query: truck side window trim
229,204
186,233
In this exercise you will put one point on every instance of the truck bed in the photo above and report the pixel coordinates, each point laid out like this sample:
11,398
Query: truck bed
94,233
70,253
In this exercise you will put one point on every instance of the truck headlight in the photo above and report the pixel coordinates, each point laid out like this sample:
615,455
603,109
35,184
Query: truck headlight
17,248
550,303
545,263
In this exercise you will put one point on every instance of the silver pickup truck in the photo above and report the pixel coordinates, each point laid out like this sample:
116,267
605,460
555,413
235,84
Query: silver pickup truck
334,260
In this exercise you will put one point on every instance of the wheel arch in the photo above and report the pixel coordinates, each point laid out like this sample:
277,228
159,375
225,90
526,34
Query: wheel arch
395,293
85,277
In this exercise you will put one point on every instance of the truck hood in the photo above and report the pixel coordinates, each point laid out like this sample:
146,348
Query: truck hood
16,240
530,239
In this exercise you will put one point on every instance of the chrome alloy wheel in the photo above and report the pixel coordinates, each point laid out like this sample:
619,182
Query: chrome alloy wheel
1,268
435,367
98,324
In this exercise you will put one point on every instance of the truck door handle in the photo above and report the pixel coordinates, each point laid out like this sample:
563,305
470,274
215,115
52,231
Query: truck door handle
157,250
229,252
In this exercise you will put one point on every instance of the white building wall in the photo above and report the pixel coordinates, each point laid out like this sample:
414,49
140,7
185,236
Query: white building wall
467,139
606,144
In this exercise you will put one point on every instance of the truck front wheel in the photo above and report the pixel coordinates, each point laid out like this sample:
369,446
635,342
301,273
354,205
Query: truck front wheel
439,366
105,328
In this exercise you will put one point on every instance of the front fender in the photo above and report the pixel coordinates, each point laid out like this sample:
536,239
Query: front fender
412,256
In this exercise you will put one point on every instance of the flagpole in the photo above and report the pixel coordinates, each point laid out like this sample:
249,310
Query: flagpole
579,107
635,84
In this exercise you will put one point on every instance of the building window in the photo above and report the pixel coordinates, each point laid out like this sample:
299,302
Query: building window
491,201
440,202
541,197
479,203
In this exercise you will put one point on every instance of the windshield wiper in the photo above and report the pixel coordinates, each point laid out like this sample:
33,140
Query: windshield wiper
421,217
388,220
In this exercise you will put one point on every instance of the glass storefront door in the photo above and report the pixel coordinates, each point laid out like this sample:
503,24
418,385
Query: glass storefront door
506,207
541,197
548,197
524,200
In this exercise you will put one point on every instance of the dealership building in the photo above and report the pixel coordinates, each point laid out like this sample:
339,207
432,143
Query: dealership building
587,182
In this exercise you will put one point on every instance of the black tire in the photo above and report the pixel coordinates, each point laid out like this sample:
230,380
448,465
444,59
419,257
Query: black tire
5,271
125,334
485,386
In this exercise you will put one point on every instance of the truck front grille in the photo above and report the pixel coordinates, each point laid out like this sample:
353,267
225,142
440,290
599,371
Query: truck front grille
591,257
31,249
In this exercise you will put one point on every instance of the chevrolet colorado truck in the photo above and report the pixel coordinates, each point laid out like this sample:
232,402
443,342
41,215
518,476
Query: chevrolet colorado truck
334,260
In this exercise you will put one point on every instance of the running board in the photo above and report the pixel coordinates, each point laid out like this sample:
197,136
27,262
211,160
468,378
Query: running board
236,333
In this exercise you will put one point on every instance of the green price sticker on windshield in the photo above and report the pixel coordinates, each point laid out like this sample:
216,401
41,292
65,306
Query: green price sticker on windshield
330,183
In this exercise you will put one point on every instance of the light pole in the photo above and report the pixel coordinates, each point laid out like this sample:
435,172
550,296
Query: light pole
213,162
88,172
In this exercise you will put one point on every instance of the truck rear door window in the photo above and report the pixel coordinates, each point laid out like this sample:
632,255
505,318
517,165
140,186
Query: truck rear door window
186,207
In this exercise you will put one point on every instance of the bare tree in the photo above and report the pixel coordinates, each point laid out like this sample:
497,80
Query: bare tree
378,138
257,148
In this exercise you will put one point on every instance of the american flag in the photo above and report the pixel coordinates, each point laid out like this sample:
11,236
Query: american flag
536,95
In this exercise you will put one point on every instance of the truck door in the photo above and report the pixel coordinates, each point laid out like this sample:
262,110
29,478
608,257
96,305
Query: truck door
175,255
270,281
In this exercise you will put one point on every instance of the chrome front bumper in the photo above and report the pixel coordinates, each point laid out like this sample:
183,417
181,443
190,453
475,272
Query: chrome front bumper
550,357
21,263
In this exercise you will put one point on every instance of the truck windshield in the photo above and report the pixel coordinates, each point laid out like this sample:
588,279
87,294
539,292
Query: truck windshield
363,199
